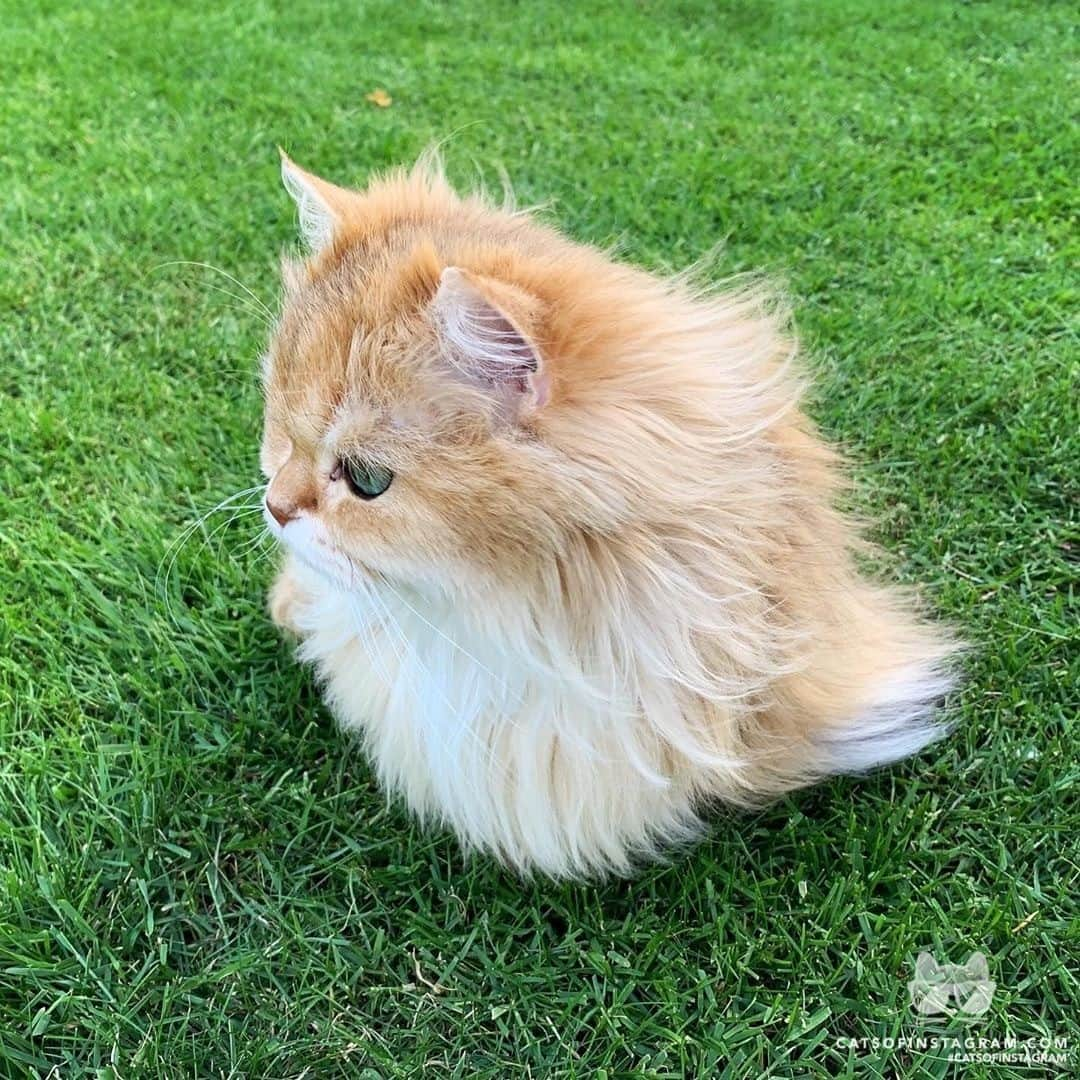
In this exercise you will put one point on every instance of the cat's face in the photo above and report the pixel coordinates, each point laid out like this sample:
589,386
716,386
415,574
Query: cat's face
408,392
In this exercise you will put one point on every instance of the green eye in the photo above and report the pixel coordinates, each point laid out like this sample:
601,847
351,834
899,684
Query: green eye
365,479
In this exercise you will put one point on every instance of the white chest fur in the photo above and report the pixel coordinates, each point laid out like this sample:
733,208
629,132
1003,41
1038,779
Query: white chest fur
503,741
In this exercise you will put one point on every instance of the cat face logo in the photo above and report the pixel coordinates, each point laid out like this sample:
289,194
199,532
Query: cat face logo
963,990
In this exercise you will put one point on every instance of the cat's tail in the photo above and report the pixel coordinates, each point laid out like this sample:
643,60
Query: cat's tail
904,715
891,672
870,690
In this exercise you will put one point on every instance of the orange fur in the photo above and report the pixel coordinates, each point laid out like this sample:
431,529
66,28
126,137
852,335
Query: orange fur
609,581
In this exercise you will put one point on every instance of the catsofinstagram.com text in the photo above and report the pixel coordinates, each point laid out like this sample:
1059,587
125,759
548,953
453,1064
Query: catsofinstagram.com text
972,1049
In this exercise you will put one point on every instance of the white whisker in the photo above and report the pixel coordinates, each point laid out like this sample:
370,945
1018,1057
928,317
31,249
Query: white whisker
225,274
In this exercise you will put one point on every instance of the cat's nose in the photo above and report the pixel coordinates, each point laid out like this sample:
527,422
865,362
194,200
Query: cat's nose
281,515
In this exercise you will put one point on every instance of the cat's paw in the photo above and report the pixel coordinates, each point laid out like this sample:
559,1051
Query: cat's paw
286,597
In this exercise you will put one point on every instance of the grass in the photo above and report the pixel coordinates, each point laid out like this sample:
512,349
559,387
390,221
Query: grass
197,874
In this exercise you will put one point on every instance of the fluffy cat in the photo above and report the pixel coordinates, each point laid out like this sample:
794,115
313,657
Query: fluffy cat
559,541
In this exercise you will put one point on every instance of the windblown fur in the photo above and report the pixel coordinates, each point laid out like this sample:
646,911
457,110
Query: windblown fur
608,584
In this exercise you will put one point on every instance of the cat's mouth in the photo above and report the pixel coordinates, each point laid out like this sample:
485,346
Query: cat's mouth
305,539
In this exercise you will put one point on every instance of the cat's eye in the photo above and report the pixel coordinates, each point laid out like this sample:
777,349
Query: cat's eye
366,479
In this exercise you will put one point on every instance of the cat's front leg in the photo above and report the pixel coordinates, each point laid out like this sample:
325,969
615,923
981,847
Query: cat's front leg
287,596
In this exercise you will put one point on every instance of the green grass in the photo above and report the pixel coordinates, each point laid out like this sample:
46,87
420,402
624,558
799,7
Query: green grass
197,874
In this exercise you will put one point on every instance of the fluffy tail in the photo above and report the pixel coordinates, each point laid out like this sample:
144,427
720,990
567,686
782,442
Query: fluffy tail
868,690
901,718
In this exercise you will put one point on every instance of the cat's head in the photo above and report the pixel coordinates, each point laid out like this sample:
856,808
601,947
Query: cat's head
417,388
458,397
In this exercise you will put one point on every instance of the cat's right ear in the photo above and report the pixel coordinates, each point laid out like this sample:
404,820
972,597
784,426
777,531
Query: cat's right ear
927,968
321,206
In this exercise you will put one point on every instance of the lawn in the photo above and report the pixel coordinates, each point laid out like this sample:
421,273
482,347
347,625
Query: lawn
197,875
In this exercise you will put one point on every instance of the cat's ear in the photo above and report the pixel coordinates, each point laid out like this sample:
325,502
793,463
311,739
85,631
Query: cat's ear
482,324
926,968
321,206
977,967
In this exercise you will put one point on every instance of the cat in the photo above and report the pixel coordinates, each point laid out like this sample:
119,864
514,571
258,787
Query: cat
559,541
951,989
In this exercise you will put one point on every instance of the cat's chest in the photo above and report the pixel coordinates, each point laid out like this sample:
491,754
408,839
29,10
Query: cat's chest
392,658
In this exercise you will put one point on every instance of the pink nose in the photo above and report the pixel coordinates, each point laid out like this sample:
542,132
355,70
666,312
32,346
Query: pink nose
279,514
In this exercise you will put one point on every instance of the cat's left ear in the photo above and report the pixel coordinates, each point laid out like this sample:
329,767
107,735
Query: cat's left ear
977,967
322,206
485,328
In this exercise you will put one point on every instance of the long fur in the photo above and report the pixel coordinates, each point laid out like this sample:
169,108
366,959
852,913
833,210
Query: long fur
609,583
